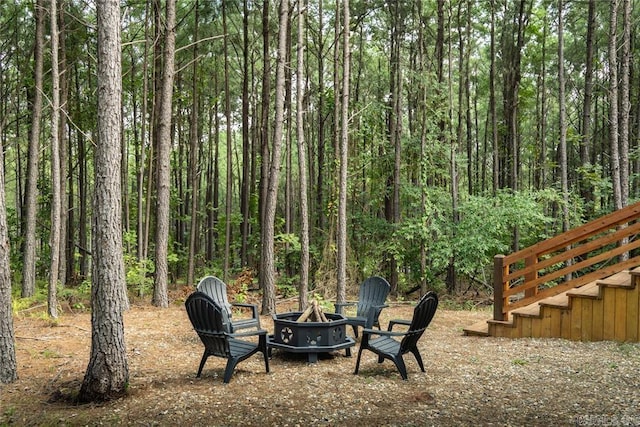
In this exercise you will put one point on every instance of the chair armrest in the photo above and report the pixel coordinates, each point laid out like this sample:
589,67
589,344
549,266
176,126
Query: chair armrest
368,331
253,307
249,333
398,322
340,305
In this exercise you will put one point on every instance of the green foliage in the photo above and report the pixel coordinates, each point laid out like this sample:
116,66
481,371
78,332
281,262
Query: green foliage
138,274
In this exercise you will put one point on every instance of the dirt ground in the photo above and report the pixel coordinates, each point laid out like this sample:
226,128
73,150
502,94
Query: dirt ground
482,381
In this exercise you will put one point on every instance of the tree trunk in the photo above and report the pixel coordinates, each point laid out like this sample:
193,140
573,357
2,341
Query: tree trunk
56,197
163,204
321,123
194,164
31,191
302,163
62,137
492,103
107,374
344,155
613,105
142,241
625,104
586,190
246,144
229,161
268,257
8,364
564,175
264,133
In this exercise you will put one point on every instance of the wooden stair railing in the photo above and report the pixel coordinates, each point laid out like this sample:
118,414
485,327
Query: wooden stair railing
569,260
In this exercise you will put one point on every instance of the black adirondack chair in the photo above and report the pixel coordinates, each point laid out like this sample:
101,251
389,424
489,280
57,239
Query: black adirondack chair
387,347
216,289
208,319
371,300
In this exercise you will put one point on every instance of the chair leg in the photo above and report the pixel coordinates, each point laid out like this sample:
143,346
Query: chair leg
205,355
416,353
264,348
228,372
355,330
358,361
399,361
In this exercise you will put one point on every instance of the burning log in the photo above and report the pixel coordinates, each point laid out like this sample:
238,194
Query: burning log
313,313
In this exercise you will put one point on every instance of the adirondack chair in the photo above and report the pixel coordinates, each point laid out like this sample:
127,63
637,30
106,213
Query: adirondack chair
216,289
371,300
208,319
386,346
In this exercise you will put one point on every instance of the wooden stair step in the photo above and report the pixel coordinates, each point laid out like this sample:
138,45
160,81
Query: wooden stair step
560,301
480,329
590,290
531,310
622,279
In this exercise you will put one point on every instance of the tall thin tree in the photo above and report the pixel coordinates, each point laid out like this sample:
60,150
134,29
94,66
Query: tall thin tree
56,197
268,226
163,179
31,190
344,155
229,138
613,104
302,162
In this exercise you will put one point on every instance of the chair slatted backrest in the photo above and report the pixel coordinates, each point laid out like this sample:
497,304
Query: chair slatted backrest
373,291
208,320
422,316
216,289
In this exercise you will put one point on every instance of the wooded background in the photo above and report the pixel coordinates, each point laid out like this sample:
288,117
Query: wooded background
444,132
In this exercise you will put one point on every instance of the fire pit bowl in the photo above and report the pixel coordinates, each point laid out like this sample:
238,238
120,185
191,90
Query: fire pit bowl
311,338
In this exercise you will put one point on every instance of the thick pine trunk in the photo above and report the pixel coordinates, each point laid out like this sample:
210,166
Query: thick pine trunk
107,374
8,364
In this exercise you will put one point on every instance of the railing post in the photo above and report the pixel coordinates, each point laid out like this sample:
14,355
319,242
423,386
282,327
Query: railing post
498,287
530,277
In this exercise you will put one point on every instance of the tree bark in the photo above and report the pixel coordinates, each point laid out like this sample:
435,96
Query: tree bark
229,161
246,144
268,256
302,162
264,132
194,164
344,156
586,190
62,137
613,105
56,196
625,104
163,179
31,190
8,364
107,374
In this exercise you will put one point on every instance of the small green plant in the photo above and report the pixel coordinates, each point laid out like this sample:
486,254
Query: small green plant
50,354
139,274
519,362
627,349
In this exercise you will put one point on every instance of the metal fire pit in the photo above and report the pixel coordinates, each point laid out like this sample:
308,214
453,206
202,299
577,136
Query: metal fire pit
311,338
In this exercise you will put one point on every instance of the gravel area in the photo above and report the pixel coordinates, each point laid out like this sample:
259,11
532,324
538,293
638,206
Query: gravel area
469,380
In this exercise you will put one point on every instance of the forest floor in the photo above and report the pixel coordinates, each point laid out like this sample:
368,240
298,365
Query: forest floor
468,380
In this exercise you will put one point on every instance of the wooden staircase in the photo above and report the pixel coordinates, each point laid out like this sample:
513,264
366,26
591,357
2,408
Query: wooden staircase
590,294
606,309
